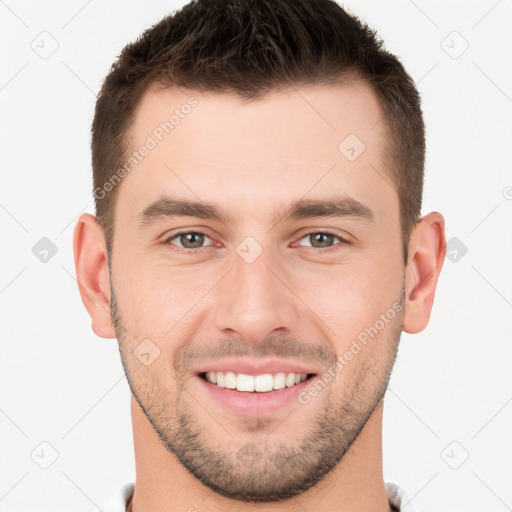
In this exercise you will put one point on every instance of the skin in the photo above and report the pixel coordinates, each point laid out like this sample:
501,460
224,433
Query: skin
294,302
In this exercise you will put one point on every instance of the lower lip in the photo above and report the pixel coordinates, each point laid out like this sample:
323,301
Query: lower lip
255,403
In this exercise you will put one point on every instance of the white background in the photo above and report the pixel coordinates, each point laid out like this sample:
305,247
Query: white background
61,384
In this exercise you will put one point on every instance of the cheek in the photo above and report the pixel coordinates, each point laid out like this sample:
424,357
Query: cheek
365,315
351,297
161,301
158,301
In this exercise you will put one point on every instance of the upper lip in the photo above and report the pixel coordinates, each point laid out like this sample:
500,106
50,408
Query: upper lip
255,366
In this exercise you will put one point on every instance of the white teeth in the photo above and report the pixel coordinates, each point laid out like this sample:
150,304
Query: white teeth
221,379
245,382
279,381
264,382
290,380
230,381
259,383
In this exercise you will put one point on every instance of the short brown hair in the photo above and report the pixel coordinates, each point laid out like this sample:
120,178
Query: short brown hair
250,47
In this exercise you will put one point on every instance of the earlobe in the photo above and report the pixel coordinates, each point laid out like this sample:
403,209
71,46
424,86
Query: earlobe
427,249
91,265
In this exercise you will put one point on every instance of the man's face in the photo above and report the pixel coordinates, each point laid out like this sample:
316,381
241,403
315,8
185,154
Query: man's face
276,293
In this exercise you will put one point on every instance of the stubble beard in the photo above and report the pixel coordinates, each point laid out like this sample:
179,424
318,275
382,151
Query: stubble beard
262,471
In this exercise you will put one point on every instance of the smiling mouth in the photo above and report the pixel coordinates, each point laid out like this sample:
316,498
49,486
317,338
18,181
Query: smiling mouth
255,383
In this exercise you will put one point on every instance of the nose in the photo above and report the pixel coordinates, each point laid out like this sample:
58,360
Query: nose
256,299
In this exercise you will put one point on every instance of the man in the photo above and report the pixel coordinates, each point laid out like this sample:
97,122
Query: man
257,250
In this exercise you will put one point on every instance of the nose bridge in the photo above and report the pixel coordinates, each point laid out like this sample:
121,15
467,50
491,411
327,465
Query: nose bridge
254,302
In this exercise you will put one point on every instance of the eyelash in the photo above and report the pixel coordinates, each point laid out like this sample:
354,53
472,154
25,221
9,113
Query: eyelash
184,250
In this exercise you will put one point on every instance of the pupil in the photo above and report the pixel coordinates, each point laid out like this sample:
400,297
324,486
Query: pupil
322,238
320,235
187,238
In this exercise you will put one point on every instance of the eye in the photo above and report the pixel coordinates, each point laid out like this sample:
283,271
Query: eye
188,240
323,240
192,241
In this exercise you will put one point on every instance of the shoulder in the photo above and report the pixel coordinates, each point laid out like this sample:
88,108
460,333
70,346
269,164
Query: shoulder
120,499
398,498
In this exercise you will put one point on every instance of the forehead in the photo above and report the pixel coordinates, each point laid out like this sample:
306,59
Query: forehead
290,115
303,140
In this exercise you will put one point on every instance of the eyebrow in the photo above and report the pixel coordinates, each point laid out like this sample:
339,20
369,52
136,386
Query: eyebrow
337,206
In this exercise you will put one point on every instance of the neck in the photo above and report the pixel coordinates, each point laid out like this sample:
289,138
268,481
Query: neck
162,483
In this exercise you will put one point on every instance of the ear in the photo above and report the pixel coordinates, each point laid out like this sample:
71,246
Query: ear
427,248
91,264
